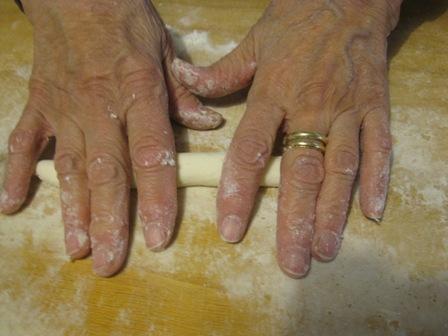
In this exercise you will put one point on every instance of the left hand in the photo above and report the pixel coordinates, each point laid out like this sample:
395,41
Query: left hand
102,86
316,66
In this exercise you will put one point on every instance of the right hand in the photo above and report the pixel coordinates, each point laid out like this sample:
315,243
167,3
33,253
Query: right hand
314,66
101,85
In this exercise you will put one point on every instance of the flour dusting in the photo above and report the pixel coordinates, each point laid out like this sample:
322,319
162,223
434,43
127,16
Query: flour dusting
199,41
419,171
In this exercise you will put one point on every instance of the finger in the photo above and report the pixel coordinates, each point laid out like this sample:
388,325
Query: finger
305,168
189,112
26,143
375,163
75,198
376,141
185,108
302,173
341,167
245,162
152,149
232,73
108,172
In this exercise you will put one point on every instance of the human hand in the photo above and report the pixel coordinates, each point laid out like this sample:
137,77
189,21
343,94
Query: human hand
316,66
101,85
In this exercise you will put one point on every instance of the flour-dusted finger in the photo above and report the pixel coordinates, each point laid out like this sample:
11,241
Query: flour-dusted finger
26,143
375,164
341,168
70,164
185,108
152,150
302,173
376,141
230,74
191,113
108,171
244,165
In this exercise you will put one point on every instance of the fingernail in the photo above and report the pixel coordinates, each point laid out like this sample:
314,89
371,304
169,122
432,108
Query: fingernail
108,253
376,220
295,262
103,258
232,229
210,117
76,240
155,236
327,245
7,203
376,208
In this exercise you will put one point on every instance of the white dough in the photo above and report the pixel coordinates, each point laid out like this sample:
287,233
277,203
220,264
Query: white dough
194,169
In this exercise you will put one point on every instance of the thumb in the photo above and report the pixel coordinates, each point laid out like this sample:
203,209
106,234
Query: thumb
230,74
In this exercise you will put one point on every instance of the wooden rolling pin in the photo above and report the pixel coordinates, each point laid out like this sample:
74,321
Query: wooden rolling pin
193,170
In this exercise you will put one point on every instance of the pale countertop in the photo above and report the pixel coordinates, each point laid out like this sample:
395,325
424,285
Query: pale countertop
390,279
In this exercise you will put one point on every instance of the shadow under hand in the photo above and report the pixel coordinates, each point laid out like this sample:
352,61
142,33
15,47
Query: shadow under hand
413,14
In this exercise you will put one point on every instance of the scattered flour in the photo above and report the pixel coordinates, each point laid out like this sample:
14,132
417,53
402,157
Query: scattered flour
199,42
24,71
23,310
417,165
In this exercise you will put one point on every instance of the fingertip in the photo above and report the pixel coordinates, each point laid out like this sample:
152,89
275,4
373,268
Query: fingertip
109,252
10,204
105,271
326,245
232,229
202,118
376,220
105,262
79,254
77,243
295,262
212,119
373,206
156,236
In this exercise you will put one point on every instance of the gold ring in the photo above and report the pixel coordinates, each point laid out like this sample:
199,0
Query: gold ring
300,139
308,135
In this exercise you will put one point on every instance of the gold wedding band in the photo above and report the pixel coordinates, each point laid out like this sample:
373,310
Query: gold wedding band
301,139
308,135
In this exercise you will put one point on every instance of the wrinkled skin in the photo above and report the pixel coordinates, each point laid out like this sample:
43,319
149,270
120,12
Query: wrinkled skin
314,66
101,85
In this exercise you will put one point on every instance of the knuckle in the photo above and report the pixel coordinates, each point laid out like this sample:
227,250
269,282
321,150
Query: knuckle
138,81
384,144
38,87
300,229
104,169
97,89
273,83
21,141
333,213
154,211
68,163
39,94
344,162
315,94
307,172
235,187
251,151
142,88
147,154
333,217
